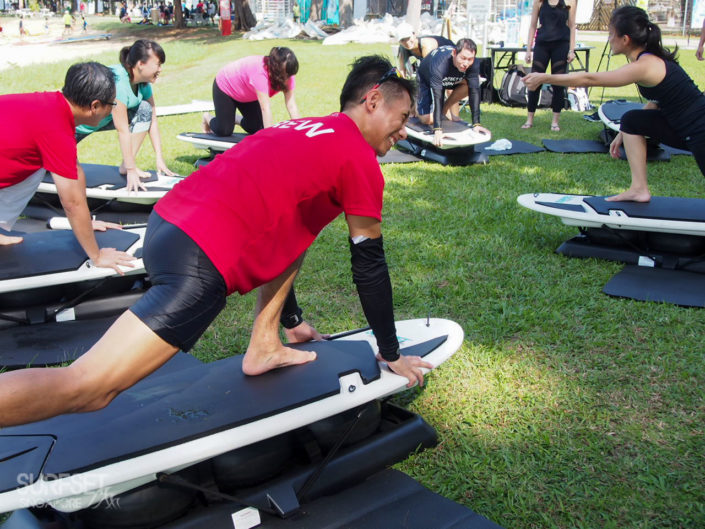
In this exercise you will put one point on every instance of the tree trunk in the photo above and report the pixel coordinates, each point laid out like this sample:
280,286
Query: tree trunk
179,21
244,18
413,14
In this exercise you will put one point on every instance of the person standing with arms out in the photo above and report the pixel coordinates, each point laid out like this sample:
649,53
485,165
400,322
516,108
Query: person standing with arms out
134,114
554,44
675,112
247,85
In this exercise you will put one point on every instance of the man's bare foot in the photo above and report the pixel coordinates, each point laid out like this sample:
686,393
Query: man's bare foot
206,123
6,240
631,196
256,363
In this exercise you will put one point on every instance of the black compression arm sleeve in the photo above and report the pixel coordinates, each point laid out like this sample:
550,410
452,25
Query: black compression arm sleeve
473,81
371,275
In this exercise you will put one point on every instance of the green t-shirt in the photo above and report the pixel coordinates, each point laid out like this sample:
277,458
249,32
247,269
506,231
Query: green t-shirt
124,94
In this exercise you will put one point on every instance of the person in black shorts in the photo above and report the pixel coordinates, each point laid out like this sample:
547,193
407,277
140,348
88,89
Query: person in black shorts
412,47
675,113
453,68
239,224
555,43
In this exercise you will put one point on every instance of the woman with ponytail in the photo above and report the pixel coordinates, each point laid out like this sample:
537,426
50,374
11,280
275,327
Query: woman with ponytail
554,42
675,113
246,85
133,114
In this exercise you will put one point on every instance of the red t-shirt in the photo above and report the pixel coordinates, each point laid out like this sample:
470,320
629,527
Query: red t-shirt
37,131
258,206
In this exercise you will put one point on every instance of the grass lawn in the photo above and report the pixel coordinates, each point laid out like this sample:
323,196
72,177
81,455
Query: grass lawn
565,408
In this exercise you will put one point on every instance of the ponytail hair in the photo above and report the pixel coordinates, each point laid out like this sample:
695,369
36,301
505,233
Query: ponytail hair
281,63
139,51
634,23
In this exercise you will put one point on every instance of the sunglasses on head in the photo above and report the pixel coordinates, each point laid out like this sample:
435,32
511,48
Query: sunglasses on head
391,74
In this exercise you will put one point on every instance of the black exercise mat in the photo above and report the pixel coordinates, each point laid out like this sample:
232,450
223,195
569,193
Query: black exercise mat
614,110
55,251
447,125
395,156
99,175
518,147
169,410
237,137
658,284
574,146
666,208
389,499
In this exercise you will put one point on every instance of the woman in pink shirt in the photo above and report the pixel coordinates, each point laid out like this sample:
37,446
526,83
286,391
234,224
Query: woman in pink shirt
246,85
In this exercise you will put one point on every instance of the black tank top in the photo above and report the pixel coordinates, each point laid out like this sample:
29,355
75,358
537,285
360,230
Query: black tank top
680,100
553,22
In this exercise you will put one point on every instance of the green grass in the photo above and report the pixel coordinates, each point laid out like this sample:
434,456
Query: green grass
565,408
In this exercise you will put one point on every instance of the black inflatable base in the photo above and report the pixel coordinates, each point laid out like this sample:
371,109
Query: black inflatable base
459,156
678,287
388,499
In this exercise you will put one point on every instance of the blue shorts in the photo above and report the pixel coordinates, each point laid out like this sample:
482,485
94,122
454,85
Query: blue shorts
424,103
187,291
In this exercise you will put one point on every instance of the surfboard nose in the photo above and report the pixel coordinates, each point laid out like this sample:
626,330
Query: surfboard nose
22,458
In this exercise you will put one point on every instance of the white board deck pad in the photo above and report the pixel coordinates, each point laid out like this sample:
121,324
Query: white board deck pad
197,413
455,133
661,214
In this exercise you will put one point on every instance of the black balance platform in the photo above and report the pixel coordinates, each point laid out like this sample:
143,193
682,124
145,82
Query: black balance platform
662,267
664,208
52,334
55,251
182,406
98,175
349,488
429,153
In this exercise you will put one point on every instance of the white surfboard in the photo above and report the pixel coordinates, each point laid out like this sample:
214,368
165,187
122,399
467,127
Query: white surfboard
196,105
165,424
611,112
455,134
211,142
51,258
104,182
662,214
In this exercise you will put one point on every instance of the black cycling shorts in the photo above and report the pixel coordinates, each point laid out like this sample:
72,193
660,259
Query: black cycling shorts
187,290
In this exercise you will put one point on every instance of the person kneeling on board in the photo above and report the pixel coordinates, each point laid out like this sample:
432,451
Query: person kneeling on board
454,68
213,235
37,135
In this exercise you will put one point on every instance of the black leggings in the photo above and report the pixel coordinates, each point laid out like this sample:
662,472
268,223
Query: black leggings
223,123
557,54
652,123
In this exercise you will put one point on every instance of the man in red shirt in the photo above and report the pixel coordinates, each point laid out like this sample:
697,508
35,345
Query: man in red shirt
37,134
238,224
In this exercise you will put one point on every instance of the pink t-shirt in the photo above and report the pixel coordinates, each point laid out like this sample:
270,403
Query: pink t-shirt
258,206
242,79
37,131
